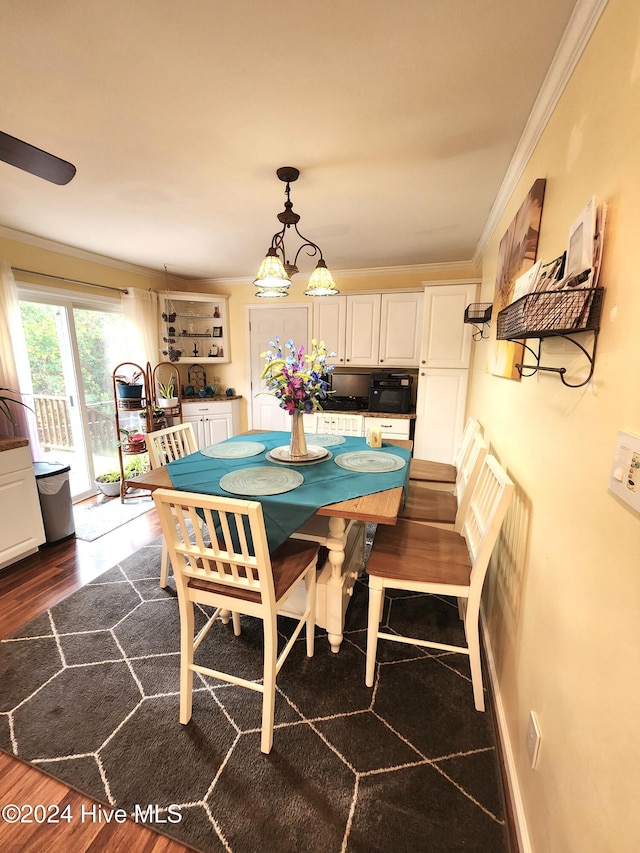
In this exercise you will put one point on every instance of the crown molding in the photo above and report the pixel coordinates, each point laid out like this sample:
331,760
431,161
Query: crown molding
80,254
582,23
418,269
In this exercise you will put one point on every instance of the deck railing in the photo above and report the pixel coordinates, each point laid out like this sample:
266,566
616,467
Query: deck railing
54,424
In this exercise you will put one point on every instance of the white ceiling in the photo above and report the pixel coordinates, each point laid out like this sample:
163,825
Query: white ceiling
402,115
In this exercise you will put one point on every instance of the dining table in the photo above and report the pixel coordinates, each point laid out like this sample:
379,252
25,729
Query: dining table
346,466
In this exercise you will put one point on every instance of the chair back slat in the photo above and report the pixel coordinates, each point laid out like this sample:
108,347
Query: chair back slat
471,429
221,540
487,507
338,425
467,474
174,442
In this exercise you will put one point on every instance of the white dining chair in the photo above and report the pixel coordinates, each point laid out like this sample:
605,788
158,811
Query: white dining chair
331,424
166,445
444,508
429,471
226,565
418,558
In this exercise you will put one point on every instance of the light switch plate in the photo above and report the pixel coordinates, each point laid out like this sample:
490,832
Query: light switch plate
624,477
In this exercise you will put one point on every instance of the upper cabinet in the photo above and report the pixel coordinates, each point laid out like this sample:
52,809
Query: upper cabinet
194,327
371,329
446,341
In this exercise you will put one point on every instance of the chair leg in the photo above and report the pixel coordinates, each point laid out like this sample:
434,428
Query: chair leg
310,585
376,597
236,623
164,564
473,644
269,683
186,660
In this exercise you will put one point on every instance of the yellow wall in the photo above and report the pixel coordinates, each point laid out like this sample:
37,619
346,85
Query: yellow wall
564,596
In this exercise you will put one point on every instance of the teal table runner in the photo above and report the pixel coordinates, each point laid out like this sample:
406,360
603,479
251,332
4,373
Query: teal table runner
324,483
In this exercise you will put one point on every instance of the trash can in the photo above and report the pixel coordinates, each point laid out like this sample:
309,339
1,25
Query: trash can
54,491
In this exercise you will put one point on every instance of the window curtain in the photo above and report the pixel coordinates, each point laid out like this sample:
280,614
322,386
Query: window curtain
14,362
140,309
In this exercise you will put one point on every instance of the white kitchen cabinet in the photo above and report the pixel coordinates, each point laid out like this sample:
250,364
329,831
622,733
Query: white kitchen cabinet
212,420
363,329
444,371
400,329
390,427
329,326
371,329
21,526
440,413
446,339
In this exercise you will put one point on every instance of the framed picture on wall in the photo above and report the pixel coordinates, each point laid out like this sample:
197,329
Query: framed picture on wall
516,254
581,237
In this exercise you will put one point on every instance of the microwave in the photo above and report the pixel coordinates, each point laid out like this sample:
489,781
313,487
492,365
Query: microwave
392,399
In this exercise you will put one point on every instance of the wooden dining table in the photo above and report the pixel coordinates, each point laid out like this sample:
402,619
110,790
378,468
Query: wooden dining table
340,527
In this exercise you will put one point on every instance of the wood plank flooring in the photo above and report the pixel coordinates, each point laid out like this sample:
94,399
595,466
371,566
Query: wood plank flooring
27,589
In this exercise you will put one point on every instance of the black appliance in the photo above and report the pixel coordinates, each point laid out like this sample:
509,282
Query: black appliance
390,392
350,392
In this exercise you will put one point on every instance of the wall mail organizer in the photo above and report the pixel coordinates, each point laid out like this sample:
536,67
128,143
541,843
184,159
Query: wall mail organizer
554,313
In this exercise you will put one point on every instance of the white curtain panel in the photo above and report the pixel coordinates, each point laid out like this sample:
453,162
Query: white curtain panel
140,308
13,362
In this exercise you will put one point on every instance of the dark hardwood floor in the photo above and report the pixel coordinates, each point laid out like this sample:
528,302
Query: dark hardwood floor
27,589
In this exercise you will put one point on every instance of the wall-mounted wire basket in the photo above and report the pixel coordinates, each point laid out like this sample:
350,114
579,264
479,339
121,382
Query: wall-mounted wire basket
554,312
478,312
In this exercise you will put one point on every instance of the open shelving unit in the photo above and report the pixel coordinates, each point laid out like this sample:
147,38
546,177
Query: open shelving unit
133,412
554,313
195,327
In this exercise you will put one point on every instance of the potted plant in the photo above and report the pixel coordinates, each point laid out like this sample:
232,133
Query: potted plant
5,399
167,389
133,441
109,483
129,387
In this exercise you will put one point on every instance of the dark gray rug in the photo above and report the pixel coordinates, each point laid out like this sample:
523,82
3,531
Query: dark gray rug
89,694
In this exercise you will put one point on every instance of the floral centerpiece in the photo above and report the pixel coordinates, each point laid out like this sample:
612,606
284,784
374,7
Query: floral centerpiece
299,381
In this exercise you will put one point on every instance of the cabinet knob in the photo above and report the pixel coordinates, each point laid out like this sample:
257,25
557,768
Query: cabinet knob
381,361
423,361
423,374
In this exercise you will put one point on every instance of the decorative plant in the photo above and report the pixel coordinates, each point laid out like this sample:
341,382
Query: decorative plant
298,380
128,380
112,476
132,439
167,390
5,400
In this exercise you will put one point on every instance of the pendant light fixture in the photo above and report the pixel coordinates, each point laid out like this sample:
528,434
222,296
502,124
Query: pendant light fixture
274,275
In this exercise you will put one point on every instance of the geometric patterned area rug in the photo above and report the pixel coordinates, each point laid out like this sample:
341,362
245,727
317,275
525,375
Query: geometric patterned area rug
103,516
90,695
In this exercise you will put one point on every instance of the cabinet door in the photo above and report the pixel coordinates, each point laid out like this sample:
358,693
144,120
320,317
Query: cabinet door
216,428
446,339
329,325
440,409
196,423
21,527
401,329
363,329
390,427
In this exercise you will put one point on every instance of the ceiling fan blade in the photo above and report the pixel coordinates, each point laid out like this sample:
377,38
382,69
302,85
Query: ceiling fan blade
35,160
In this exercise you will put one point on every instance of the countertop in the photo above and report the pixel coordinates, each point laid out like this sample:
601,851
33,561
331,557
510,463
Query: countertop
219,398
12,443
368,414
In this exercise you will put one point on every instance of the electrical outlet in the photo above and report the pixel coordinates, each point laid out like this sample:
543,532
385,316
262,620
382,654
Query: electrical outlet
533,739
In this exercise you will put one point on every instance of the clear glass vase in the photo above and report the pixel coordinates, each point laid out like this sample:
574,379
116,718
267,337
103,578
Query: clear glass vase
298,445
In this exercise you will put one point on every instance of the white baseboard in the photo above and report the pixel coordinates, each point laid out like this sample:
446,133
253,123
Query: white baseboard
522,833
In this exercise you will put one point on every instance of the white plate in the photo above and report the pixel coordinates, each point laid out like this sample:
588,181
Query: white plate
304,462
283,454
233,449
370,461
261,480
324,440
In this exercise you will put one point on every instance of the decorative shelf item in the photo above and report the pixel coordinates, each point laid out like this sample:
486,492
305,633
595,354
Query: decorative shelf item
554,313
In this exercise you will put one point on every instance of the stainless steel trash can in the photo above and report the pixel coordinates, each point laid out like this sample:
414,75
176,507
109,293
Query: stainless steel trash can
54,491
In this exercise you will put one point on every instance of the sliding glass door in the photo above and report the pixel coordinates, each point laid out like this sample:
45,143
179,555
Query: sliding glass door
72,346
